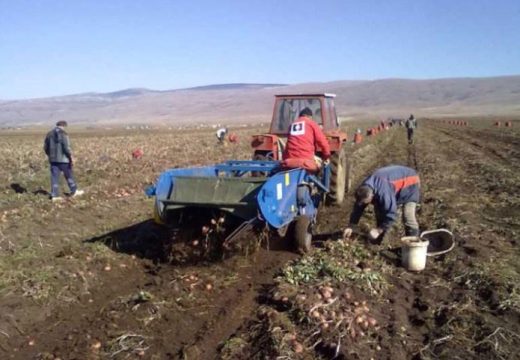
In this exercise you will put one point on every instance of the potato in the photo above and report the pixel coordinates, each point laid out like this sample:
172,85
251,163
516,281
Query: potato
297,347
372,321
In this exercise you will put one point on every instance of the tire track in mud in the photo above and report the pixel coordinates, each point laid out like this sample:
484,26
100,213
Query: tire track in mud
503,148
491,181
240,305
497,162
412,158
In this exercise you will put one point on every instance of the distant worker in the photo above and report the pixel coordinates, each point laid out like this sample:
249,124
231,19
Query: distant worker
305,136
387,188
411,125
221,134
59,153
358,138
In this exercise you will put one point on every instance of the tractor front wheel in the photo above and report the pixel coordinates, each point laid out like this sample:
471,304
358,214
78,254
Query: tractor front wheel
259,157
340,177
302,234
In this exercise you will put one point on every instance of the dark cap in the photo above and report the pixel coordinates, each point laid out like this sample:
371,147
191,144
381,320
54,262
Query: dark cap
61,123
306,112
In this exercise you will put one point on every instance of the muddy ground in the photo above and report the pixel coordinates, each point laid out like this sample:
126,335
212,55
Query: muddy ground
84,279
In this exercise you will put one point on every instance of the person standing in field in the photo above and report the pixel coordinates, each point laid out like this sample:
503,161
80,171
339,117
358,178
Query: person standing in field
387,188
58,151
305,136
411,125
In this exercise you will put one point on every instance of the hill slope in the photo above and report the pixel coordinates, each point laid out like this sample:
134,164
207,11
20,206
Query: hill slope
227,103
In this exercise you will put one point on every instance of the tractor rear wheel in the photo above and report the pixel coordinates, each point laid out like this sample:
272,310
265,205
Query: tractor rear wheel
340,177
302,234
156,216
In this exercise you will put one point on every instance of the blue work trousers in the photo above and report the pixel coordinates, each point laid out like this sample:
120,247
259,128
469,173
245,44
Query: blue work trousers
66,169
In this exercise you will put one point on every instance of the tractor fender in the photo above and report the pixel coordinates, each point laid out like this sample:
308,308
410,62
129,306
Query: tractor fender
278,197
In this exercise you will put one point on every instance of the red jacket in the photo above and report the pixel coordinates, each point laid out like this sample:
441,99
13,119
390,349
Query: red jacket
303,140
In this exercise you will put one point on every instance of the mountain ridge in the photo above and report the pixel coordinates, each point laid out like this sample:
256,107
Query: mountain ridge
252,102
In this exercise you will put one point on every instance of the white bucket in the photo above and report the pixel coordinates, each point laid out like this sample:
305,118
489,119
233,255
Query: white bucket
413,253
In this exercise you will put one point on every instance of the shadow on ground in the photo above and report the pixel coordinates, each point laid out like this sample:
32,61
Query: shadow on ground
161,244
145,240
20,189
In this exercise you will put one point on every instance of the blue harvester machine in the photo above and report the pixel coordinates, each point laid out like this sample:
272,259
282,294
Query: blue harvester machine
278,199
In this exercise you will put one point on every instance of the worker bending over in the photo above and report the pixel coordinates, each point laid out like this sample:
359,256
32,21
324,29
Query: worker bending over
387,188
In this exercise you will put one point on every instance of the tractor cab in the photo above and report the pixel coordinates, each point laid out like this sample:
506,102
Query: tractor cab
287,108
271,146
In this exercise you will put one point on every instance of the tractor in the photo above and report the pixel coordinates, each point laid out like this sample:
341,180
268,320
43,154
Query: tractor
244,196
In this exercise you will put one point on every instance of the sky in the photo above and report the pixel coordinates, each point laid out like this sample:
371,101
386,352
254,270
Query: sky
60,47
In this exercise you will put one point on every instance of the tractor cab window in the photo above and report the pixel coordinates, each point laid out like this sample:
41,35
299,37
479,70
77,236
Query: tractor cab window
332,111
287,110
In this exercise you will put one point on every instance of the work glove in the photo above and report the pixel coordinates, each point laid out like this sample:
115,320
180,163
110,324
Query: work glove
318,161
375,233
347,233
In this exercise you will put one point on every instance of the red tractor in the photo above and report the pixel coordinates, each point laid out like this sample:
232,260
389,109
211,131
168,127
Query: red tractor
286,109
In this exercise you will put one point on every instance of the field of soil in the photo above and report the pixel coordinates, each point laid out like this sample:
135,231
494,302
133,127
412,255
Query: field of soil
87,278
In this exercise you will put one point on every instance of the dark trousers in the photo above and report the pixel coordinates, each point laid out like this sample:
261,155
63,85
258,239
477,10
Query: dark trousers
66,169
410,136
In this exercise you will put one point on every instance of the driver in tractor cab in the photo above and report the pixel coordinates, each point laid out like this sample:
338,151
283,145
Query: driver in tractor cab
302,142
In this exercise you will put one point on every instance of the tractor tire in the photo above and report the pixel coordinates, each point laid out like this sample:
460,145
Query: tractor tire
302,234
348,177
260,157
340,177
156,217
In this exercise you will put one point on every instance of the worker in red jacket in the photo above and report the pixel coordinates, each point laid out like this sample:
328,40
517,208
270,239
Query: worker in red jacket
305,136
387,189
